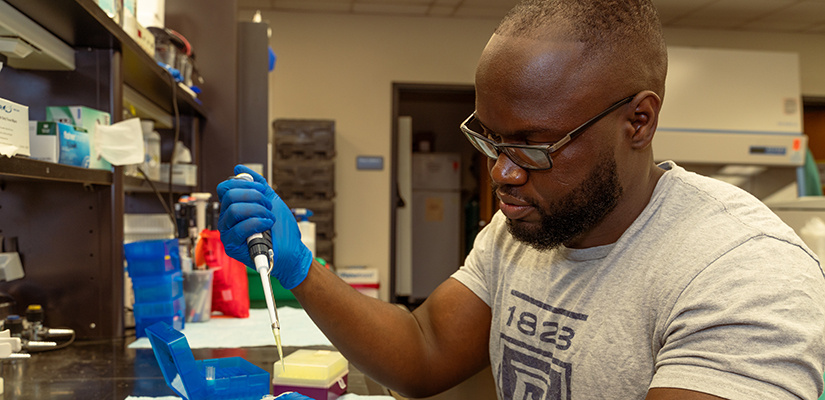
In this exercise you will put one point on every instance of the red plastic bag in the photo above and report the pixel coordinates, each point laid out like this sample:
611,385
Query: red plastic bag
230,287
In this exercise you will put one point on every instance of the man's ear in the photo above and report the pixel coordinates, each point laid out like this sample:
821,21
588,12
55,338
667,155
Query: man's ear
646,106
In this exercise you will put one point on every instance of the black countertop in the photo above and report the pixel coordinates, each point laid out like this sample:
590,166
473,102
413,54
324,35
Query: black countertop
108,369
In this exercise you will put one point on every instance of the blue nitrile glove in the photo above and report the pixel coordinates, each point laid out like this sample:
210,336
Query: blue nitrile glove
253,207
292,396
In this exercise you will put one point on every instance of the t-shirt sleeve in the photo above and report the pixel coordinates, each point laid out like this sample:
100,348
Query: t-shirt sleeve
477,270
759,334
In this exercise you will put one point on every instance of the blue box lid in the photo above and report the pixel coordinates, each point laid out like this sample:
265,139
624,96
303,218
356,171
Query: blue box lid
221,378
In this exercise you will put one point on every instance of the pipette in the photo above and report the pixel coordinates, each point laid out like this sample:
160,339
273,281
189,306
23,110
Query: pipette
262,254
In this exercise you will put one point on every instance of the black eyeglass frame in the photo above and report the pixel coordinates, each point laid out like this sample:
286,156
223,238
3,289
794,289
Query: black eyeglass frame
546,149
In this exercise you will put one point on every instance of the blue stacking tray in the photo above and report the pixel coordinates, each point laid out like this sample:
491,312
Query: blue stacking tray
217,378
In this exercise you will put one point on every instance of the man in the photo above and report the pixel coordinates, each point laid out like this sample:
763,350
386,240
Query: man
604,275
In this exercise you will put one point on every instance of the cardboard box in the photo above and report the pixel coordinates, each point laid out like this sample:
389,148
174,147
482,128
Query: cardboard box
58,143
13,129
86,119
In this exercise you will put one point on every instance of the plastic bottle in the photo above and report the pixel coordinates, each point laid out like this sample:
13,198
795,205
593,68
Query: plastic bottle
151,142
306,227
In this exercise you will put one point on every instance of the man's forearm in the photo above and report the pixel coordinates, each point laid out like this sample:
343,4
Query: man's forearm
382,340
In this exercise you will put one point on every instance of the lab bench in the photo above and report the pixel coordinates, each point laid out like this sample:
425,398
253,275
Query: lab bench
109,369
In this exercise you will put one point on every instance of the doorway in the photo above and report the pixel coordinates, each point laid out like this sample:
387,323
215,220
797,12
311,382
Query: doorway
425,129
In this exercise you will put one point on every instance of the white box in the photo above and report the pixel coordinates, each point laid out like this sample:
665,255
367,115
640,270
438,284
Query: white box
151,12
14,126
182,174
59,143
141,35
85,118
364,280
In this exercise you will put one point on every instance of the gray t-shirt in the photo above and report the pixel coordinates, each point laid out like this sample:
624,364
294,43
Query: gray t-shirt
707,290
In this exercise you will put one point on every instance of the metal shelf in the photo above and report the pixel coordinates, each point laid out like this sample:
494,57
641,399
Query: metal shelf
25,168
139,185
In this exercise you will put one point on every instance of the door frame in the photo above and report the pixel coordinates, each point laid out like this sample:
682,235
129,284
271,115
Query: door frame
398,89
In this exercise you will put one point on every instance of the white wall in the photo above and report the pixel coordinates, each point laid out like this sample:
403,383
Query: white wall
342,67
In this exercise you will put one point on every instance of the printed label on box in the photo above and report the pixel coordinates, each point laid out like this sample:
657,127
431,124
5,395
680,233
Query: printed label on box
85,119
14,130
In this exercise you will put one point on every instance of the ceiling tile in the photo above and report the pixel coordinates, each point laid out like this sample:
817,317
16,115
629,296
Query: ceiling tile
393,2
820,28
674,9
769,15
446,2
314,6
705,23
807,11
257,4
768,25
481,12
441,11
387,8
506,4
740,10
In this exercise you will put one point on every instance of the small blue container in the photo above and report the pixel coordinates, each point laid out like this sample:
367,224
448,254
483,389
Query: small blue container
152,288
175,321
152,257
217,378
172,312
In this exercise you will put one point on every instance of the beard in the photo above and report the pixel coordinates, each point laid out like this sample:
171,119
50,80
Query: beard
574,214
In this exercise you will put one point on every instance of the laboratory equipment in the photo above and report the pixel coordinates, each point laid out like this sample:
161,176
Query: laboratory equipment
734,115
217,378
151,142
31,335
306,227
797,213
319,374
263,255
436,216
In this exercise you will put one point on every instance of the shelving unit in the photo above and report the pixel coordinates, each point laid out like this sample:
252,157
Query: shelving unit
68,221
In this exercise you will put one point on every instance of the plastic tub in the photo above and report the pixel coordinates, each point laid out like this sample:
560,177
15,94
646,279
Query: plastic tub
197,289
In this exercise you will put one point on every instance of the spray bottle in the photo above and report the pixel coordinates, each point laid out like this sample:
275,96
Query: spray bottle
306,227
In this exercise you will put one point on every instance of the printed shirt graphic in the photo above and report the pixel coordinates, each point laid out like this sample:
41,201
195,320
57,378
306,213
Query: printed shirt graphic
707,290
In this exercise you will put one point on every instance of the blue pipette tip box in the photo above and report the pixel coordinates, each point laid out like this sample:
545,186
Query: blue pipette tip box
217,378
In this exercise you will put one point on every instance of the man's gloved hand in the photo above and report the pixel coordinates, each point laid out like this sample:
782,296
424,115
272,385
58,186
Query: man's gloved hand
253,207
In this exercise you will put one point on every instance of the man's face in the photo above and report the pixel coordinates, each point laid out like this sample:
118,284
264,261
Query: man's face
562,219
531,91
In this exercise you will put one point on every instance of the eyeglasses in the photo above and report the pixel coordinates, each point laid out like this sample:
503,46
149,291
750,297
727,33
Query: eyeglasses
536,157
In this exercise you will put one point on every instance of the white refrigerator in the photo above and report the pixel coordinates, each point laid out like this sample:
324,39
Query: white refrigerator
436,220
